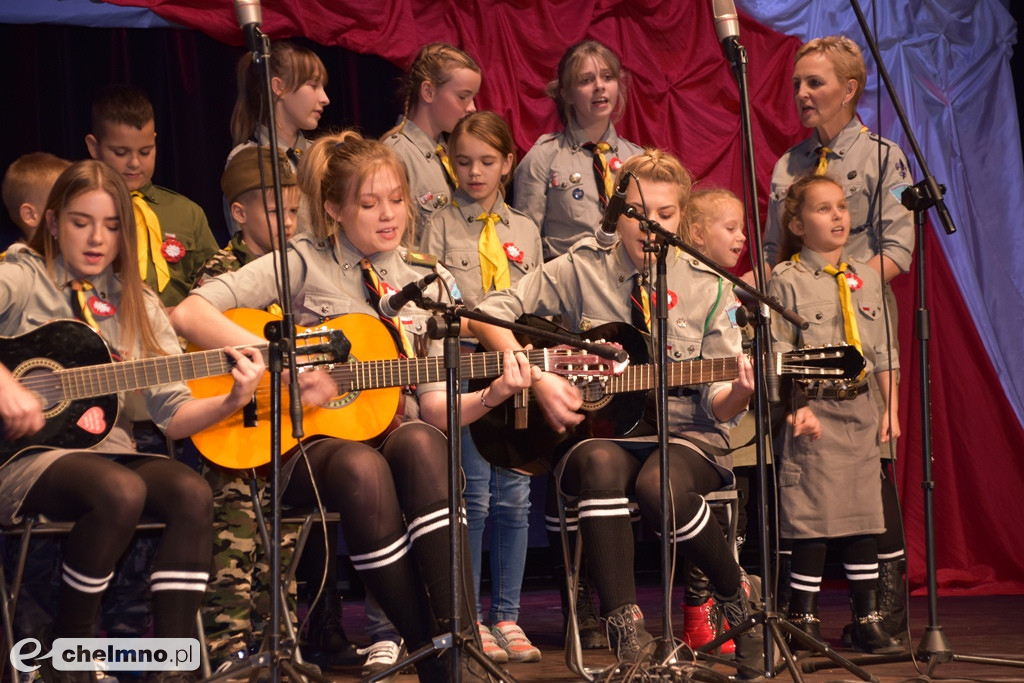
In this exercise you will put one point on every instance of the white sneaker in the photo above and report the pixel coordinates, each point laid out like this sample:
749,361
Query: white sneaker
381,655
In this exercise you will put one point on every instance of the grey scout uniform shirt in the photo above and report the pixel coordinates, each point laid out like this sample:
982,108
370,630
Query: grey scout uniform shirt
428,182
854,164
326,282
555,186
591,285
29,297
814,294
453,235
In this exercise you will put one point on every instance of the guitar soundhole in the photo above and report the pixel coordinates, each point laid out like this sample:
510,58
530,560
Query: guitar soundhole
37,376
594,396
345,399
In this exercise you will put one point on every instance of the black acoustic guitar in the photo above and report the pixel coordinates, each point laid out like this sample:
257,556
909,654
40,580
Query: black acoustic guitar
516,435
69,367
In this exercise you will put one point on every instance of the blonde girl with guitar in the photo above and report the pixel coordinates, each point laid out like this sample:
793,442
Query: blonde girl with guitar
81,263
393,499
593,285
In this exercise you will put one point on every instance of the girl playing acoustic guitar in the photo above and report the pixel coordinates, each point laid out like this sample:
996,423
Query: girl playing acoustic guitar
593,285
81,263
393,499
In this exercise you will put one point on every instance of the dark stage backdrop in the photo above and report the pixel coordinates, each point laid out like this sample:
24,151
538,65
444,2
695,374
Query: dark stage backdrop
683,97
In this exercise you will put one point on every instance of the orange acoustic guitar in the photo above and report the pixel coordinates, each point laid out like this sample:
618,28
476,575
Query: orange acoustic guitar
369,385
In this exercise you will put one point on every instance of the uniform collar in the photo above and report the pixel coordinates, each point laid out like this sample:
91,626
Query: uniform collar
418,137
842,142
240,249
814,261
469,209
577,138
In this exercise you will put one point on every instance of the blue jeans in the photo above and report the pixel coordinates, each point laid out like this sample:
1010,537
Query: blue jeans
507,494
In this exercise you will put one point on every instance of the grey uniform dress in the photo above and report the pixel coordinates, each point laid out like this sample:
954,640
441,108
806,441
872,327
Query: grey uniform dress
591,285
555,185
29,297
830,487
453,234
428,181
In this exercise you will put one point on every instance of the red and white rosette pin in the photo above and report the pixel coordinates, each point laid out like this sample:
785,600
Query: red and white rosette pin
102,308
614,164
854,281
513,252
672,299
172,249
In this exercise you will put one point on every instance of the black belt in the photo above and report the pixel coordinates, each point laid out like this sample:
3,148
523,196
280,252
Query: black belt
836,391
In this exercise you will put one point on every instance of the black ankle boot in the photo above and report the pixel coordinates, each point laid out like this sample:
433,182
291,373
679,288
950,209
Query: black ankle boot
592,635
867,633
892,596
750,643
326,643
803,613
627,636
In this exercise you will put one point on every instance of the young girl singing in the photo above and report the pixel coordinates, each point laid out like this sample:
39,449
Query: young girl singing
489,246
81,264
828,487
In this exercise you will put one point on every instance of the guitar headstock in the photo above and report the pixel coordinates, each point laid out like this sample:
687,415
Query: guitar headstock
825,362
572,363
321,346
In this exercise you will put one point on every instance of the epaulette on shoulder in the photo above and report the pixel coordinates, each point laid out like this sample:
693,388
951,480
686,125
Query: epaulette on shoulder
417,259
782,268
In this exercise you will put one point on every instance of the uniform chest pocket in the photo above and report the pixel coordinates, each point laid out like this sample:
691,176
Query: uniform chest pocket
867,311
684,343
318,306
461,262
858,206
825,322
566,196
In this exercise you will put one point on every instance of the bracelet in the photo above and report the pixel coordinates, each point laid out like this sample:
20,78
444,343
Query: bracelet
482,401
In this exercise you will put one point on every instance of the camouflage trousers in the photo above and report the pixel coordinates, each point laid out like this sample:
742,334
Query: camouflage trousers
237,605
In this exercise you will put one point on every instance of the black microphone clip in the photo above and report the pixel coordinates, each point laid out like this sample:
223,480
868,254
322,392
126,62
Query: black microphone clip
391,304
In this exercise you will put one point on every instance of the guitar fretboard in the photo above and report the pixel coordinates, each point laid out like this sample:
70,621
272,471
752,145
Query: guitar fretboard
376,374
644,377
100,380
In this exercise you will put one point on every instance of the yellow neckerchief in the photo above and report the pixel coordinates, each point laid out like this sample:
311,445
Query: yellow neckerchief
845,301
493,260
150,240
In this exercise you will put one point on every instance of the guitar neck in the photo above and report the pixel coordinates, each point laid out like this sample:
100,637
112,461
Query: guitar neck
112,378
643,377
377,374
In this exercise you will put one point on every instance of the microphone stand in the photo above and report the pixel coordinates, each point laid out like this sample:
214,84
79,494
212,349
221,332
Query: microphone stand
769,620
281,354
445,324
934,647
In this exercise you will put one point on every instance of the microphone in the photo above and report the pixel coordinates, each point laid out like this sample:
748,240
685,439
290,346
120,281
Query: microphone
391,304
727,26
616,206
250,18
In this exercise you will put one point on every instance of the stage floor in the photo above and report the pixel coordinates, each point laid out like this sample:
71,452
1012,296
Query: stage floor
991,626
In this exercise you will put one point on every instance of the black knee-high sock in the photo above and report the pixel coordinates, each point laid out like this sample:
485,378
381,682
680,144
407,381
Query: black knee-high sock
806,568
178,590
860,562
429,537
608,547
391,576
78,603
701,540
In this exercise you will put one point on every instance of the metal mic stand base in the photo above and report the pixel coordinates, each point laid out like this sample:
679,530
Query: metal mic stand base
438,645
776,627
287,657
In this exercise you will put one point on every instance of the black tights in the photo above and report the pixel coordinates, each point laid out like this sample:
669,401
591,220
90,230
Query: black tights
393,504
106,498
602,474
